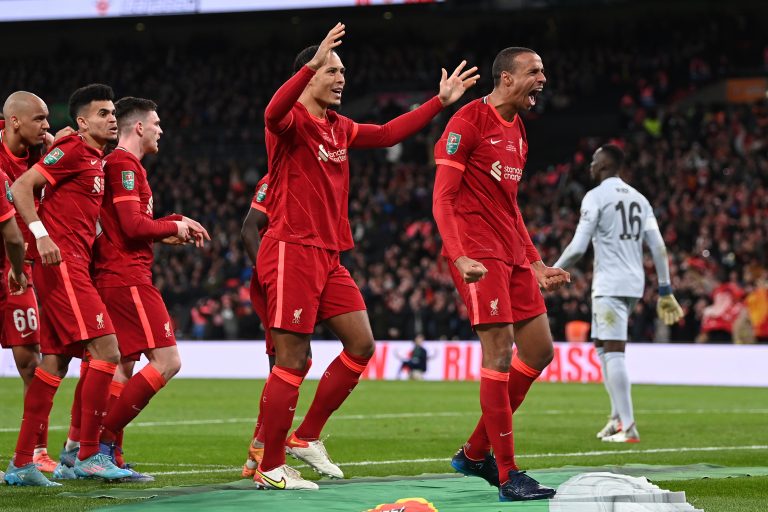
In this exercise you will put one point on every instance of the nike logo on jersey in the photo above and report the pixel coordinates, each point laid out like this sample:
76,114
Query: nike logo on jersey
94,162
27,334
494,141
291,409
507,434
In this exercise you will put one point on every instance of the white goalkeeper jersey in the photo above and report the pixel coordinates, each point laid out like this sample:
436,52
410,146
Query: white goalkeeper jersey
618,219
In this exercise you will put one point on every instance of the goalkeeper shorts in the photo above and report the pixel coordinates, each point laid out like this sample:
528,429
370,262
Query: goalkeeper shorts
610,317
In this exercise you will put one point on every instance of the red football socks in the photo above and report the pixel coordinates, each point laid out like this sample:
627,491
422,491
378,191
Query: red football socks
95,396
478,445
37,407
278,406
115,390
258,431
338,381
497,416
77,404
136,394
521,376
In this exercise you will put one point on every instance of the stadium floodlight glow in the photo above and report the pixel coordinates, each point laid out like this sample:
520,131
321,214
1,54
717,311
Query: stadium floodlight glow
32,10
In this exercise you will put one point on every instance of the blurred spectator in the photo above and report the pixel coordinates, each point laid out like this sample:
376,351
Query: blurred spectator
416,364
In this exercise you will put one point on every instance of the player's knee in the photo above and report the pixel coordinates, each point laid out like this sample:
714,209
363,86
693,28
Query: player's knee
172,368
547,356
27,371
365,349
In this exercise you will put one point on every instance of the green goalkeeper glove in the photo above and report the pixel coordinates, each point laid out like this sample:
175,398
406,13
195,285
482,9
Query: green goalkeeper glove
668,309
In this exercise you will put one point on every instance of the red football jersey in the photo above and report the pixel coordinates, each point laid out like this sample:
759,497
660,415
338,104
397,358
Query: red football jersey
72,201
309,180
6,212
491,154
261,200
6,201
120,260
13,167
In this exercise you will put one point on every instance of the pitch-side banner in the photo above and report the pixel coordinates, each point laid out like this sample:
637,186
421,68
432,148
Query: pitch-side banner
648,363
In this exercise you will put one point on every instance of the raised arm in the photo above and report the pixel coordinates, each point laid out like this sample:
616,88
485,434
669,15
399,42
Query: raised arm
451,89
277,115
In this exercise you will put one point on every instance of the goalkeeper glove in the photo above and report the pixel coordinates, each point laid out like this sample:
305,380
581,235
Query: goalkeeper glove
668,308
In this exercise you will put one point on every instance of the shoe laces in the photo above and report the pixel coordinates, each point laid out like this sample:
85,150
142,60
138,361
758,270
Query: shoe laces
321,446
291,471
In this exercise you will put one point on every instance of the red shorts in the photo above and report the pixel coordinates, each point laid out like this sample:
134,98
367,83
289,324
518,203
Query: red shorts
20,316
259,303
507,294
71,310
304,285
140,318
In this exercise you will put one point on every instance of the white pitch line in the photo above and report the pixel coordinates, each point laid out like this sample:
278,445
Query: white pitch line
219,421
529,456
383,416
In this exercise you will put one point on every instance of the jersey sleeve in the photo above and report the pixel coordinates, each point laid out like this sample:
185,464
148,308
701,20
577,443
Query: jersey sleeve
456,144
262,196
590,215
6,207
277,116
61,162
447,182
651,224
531,254
396,130
123,177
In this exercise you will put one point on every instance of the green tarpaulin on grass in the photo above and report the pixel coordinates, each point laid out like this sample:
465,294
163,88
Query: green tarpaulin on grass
449,493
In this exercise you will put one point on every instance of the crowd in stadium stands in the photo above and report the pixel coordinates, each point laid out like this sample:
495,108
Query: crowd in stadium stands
704,168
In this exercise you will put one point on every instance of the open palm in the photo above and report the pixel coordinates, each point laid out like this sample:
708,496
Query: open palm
452,87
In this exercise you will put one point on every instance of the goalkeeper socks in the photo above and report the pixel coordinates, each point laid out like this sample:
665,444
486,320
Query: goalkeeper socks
278,406
38,402
601,354
338,381
134,397
95,397
497,416
618,381
521,377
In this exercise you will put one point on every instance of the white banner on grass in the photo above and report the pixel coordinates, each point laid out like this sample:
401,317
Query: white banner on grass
648,363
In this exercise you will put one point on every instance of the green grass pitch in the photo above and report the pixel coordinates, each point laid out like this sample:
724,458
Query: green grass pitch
196,431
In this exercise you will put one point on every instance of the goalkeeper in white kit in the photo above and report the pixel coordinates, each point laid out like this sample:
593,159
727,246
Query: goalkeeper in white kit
618,219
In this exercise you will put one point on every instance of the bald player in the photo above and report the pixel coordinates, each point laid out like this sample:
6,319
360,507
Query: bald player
25,130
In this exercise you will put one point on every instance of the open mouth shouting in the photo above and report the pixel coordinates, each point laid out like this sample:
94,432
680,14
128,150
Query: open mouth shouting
533,95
